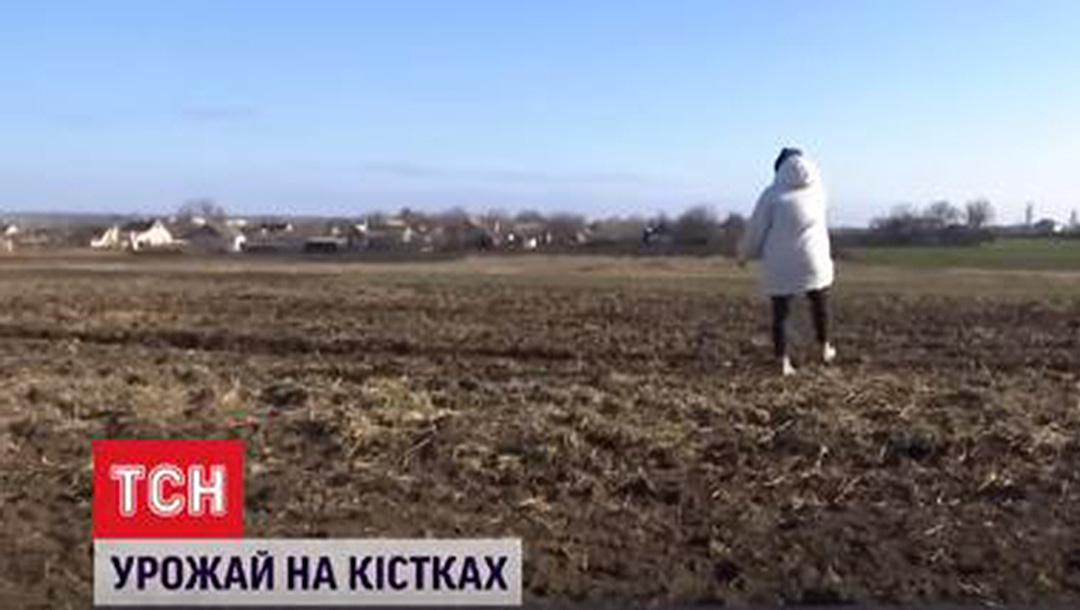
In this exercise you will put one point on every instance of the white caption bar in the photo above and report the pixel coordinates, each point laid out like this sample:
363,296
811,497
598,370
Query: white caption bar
307,572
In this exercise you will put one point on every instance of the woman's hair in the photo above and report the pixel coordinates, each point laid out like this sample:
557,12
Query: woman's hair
784,154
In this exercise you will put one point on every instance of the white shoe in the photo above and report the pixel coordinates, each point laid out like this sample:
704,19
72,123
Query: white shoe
828,353
786,368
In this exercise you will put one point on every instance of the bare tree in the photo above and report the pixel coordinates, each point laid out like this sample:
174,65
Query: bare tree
901,214
616,229
205,208
978,213
731,231
943,213
455,215
696,226
411,216
529,216
456,226
496,219
901,225
565,228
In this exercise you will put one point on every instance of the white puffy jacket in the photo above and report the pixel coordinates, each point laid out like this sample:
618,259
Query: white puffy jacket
789,232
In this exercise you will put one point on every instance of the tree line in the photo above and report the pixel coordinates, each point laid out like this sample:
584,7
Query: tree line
939,223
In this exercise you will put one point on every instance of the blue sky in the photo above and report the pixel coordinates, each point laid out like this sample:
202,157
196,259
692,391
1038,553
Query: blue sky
600,107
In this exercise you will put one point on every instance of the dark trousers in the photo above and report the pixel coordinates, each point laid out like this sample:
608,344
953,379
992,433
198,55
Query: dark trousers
819,311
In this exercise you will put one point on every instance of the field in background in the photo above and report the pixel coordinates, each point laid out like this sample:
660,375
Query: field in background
1003,253
619,414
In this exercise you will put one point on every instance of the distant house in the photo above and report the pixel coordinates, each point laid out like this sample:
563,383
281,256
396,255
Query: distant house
273,236
383,234
147,235
1047,226
338,235
528,235
657,235
135,236
8,234
108,240
212,237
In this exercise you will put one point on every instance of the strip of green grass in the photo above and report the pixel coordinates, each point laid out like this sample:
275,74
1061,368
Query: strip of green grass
1056,254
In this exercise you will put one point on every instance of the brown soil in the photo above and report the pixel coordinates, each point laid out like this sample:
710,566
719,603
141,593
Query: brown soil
627,428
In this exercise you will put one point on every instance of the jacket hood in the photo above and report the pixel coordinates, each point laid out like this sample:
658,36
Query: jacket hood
797,172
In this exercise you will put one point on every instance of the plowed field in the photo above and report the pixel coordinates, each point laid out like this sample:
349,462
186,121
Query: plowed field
620,417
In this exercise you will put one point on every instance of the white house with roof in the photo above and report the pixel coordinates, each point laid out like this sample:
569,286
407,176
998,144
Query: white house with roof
136,235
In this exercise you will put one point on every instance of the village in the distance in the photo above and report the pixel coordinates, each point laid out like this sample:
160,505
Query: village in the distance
204,227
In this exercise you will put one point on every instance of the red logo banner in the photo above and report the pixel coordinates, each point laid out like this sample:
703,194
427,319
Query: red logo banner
168,488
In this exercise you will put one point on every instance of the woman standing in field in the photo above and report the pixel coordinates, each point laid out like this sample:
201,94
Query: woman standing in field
788,231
